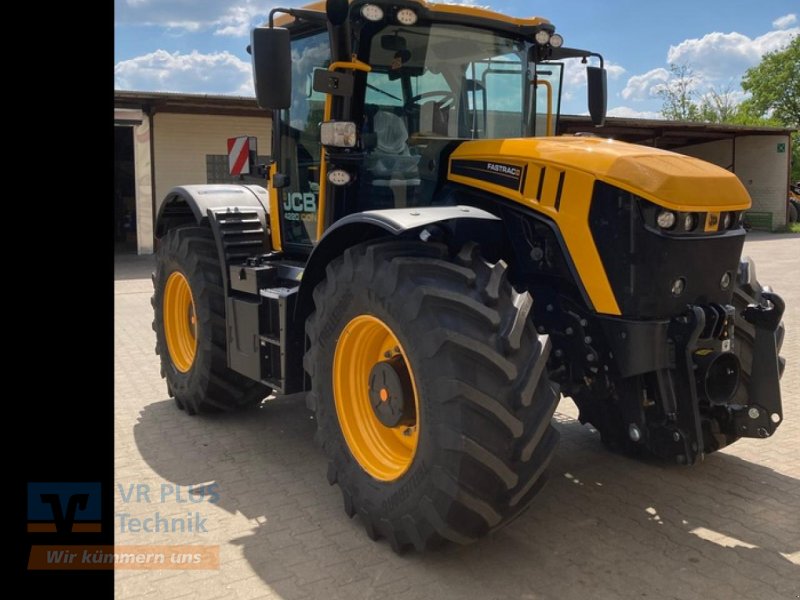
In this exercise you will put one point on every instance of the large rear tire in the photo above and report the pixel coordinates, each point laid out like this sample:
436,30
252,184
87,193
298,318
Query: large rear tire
466,449
189,321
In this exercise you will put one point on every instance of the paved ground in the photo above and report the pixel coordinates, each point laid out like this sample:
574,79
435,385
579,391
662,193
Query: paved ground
604,527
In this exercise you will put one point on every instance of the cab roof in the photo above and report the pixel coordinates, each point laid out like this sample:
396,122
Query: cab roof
456,13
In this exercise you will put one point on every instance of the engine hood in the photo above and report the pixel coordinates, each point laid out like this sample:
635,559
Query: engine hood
669,179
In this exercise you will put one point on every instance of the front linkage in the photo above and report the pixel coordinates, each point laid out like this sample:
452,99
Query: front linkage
765,412
703,385
680,387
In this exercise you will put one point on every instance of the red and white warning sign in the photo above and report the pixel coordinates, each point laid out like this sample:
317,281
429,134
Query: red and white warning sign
239,159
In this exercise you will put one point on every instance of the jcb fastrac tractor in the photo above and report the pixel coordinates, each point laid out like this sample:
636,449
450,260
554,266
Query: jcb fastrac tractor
433,267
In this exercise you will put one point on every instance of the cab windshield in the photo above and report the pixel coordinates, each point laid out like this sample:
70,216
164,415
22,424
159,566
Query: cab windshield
458,82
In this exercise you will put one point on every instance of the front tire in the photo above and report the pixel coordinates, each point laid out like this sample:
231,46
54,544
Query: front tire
189,321
473,433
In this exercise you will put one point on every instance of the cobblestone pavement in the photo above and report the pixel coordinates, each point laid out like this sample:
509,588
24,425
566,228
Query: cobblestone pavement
604,527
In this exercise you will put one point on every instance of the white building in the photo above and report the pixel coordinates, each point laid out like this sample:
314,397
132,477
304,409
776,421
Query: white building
164,139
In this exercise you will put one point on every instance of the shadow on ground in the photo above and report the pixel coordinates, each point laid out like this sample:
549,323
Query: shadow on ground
130,266
604,526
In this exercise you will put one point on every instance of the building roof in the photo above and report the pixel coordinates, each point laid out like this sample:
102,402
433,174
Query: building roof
650,132
661,133
205,104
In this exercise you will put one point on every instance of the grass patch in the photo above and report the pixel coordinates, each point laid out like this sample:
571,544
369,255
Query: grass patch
794,228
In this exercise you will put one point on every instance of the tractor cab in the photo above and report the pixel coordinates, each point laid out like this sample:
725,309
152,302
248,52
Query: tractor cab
373,105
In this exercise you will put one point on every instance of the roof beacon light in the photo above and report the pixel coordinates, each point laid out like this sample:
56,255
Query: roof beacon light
372,12
542,37
406,16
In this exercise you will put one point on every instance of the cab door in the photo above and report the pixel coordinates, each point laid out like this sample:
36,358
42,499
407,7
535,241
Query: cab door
299,150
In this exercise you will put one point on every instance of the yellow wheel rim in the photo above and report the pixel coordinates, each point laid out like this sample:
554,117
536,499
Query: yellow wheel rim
180,322
385,453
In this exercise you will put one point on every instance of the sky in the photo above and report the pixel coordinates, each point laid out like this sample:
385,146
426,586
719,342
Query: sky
198,46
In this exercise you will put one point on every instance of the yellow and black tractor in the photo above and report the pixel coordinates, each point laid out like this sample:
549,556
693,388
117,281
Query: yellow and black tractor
434,267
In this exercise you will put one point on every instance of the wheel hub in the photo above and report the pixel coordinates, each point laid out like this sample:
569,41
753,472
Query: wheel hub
377,403
180,321
390,393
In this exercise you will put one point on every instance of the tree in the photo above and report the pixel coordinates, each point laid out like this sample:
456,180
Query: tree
679,94
719,106
774,85
682,100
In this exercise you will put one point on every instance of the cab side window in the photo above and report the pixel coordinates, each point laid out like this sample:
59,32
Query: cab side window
300,144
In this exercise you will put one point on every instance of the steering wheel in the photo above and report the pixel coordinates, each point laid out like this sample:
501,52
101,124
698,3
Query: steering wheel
447,97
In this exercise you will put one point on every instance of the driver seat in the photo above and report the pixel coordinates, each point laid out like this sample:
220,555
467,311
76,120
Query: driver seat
391,163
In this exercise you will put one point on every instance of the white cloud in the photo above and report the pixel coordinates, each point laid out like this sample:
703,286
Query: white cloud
731,96
195,15
630,113
785,21
575,72
728,55
615,71
647,85
574,82
716,59
161,71
239,20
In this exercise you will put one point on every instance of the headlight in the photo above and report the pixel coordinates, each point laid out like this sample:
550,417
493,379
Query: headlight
406,16
372,12
689,222
666,219
556,41
727,220
341,134
542,37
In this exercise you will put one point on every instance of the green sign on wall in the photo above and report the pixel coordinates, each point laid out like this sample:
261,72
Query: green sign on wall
782,148
759,220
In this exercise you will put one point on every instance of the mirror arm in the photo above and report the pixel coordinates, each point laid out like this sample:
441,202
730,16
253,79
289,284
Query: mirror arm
287,11
562,53
298,13
599,57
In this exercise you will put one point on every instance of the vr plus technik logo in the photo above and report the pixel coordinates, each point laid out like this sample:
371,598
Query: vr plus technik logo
64,508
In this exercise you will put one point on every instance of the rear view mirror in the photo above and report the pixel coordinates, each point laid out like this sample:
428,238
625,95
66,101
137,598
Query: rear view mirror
393,42
596,81
272,67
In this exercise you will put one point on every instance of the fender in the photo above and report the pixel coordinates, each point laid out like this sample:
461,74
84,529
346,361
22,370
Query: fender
191,204
228,207
460,222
